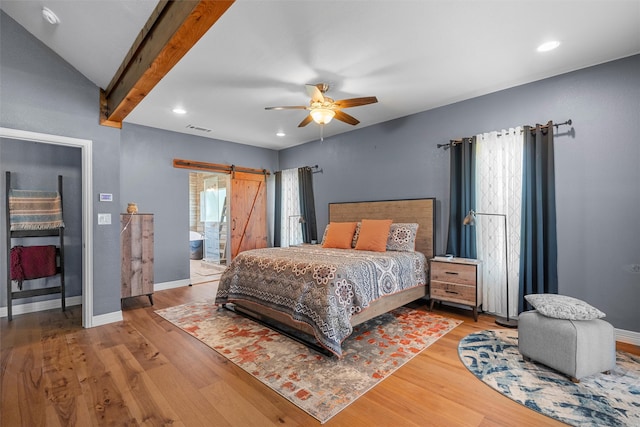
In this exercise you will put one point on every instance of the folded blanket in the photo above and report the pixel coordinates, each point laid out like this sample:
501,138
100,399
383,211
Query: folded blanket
33,262
35,210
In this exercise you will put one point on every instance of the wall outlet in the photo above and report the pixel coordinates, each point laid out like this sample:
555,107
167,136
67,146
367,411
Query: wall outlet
104,219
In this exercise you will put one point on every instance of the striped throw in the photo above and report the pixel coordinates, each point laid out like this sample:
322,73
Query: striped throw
35,210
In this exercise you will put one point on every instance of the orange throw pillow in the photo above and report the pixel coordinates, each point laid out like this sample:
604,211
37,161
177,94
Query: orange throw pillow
339,235
373,235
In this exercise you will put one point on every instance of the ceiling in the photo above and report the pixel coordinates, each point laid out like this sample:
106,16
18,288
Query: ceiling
412,55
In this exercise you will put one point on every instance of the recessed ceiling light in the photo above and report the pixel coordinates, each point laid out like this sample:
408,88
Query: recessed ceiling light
546,47
280,134
179,111
49,16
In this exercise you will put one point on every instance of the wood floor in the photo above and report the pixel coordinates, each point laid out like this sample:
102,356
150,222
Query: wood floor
144,371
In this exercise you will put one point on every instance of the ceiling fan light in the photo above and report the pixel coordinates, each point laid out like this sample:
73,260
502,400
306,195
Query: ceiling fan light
322,116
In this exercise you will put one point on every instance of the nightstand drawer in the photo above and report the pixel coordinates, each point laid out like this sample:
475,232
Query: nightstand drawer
463,294
452,272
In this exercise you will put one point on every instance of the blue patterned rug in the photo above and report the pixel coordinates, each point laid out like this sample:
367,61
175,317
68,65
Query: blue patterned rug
598,400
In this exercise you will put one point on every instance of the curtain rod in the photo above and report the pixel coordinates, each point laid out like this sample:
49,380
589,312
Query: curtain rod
454,142
316,167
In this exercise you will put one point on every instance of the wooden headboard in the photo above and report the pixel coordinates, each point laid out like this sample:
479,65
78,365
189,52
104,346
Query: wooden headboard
421,211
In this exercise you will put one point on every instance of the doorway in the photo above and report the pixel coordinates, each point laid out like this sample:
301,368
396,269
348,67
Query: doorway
208,225
86,155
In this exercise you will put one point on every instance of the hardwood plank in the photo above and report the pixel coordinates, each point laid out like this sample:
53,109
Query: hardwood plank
183,397
370,411
140,395
30,389
146,354
61,385
22,402
184,352
104,397
268,402
233,406
423,403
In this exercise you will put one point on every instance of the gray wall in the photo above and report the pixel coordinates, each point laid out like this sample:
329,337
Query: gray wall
597,171
150,180
42,93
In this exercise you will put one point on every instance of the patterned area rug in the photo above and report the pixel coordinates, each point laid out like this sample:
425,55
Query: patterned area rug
598,400
321,386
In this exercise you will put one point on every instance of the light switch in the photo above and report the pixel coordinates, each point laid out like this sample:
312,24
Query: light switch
104,219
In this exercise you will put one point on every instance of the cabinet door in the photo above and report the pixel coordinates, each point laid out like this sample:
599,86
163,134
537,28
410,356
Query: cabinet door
248,211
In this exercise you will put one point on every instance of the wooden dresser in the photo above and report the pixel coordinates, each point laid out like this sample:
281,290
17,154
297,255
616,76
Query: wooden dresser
136,249
458,280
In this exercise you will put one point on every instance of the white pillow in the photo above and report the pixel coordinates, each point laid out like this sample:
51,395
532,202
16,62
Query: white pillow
563,307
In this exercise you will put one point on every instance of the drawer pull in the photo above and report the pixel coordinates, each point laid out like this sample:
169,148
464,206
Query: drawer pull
451,292
451,272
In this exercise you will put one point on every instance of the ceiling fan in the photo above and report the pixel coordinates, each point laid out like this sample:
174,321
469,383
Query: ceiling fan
322,108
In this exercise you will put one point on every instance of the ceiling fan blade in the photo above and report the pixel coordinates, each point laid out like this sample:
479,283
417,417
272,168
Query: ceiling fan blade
306,121
314,92
356,102
292,107
344,117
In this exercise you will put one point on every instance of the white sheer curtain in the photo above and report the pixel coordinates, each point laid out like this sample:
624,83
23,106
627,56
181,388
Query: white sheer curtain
499,191
290,230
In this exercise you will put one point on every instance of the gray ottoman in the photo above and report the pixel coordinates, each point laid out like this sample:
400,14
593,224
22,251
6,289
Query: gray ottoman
576,348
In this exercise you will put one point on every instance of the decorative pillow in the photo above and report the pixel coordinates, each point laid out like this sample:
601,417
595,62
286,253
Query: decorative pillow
324,235
353,241
356,234
373,235
339,235
563,307
402,237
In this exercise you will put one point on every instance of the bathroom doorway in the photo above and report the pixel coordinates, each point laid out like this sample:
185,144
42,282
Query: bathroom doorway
208,225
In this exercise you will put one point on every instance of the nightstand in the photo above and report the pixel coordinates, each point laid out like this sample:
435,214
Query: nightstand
457,280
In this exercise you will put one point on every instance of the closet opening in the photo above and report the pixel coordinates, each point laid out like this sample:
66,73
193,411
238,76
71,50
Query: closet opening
35,154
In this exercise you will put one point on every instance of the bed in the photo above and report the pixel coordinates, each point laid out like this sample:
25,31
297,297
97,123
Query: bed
321,293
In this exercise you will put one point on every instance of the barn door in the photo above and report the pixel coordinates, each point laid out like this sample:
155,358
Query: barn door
248,211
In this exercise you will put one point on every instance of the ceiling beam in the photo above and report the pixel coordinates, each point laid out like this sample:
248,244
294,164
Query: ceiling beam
172,29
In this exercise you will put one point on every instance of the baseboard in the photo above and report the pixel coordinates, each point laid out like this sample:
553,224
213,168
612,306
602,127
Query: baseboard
629,337
33,307
170,285
104,319
99,320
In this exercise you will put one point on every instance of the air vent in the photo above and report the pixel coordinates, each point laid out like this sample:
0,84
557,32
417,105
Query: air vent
198,128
